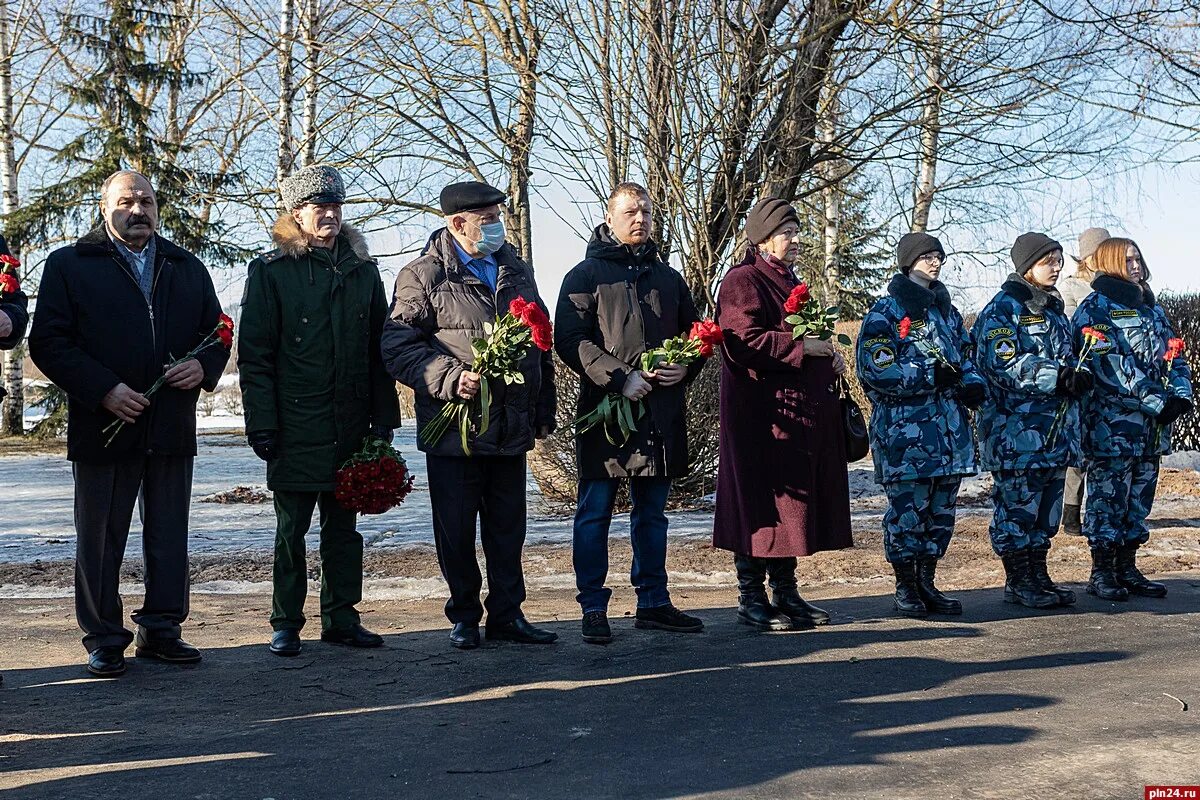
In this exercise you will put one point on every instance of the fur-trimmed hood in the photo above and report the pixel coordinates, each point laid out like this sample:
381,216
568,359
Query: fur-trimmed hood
291,240
915,299
1034,298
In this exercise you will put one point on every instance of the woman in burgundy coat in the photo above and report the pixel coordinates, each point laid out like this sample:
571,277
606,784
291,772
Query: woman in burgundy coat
782,488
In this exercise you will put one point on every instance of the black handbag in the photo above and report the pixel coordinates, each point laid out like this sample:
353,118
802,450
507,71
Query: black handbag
854,425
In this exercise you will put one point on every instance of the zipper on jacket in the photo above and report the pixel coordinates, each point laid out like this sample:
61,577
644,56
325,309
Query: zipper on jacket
149,303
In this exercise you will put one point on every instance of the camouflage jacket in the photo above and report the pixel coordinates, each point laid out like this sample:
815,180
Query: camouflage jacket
917,430
1022,339
1132,379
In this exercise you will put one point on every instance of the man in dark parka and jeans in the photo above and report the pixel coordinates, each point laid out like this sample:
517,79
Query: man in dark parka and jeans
313,387
620,301
465,278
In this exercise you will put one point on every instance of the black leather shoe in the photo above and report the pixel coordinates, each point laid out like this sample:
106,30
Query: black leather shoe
802,613
595,628
755,611
286,642
519,630
1131,578
907,600
667,618
354,636
1020,586
1103,583
172,651
106,662
931,595
465,635
1041,576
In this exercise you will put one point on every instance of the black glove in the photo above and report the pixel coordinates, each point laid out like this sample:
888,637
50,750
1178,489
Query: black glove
971,395
263,444
946,375
383,432
1075,382
1173,409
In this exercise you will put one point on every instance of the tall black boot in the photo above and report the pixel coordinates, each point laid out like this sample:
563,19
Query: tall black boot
1130,577
1041,576
1019,585
786,595
753,608
908,597
935,601
1103,583
1072,520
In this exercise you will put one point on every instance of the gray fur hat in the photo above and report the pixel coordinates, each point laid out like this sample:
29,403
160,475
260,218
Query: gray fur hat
316,184
1089,240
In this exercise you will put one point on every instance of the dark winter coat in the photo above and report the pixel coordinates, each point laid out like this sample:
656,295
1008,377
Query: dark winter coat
94,329
438,308
918,430
16,306
782,487
1133,380
615,305
308,354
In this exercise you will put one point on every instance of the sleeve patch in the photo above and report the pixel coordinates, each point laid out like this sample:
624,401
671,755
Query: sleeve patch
1005,349
998,332
883,357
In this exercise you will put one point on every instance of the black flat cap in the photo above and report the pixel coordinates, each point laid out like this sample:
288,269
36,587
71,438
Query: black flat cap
468,196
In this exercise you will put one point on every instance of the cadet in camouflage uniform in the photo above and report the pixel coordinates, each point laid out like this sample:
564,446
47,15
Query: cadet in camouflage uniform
914,362
1029,424
1138,394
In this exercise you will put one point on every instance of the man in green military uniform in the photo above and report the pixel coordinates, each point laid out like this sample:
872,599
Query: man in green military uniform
313,386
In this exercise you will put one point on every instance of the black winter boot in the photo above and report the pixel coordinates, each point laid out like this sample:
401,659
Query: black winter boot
935,601
1129,576
1019,584
908,597
1037,564
753,608
1072,521
787,597
1103,583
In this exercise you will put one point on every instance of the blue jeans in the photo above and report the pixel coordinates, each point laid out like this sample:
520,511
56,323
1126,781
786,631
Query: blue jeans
648,534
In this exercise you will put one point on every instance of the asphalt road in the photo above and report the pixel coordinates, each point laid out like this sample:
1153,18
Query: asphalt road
1001,702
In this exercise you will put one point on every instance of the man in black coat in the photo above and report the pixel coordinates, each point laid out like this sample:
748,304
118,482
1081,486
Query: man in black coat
464,280
113,311
620,301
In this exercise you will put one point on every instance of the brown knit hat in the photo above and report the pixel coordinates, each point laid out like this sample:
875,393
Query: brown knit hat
768,216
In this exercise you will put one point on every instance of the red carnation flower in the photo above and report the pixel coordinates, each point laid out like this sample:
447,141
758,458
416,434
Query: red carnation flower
904,327
1174,349
10,261
9,284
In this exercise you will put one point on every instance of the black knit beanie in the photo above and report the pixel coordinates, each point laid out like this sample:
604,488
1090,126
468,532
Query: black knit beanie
1029,248
766,217
914,245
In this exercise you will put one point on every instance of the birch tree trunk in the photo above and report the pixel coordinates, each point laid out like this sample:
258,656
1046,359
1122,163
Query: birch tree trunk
12,417
287,92
930,125
831,196
312,54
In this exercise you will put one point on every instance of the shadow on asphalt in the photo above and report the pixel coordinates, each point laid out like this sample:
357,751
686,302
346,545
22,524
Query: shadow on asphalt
651,715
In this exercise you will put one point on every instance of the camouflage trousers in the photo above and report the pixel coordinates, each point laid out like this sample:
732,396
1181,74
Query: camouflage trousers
1120,494
1027,508
920,517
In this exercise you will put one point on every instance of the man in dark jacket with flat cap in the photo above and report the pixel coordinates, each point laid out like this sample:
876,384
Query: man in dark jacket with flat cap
465,278
113,310
313,387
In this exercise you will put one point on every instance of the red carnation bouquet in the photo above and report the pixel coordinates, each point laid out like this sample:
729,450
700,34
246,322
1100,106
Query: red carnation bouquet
617,413
809,319
497,355
373,480
10,281
1091,338
222,333
1175,348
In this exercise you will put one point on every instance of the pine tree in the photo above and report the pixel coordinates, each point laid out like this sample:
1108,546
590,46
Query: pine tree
123,136
863,260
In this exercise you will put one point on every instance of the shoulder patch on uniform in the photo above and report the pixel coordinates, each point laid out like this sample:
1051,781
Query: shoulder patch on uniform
877,341
1102,326
1125,313
996,332
1005,349
883,357
1030,319
271,255
918,324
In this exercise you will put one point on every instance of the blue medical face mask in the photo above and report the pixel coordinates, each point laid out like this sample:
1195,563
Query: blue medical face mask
492,237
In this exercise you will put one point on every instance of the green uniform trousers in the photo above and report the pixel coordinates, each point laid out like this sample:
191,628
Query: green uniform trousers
341,561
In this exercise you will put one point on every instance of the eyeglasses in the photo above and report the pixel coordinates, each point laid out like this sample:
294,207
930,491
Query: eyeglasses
929,258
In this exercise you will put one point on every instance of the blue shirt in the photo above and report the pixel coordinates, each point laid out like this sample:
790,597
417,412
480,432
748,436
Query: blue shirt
485,267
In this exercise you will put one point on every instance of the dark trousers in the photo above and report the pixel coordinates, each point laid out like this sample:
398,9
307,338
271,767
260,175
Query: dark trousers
105,495
341,561
490,489
648,537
